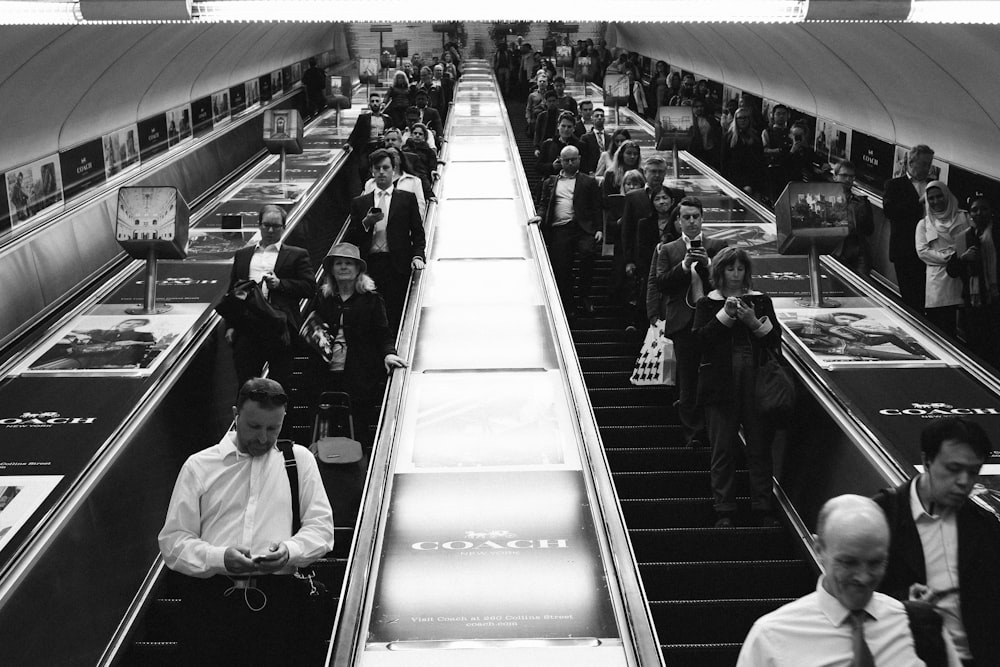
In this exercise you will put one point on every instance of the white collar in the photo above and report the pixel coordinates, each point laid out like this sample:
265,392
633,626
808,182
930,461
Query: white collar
261,248
389,190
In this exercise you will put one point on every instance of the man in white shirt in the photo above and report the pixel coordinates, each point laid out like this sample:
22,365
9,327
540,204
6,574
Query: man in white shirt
229,528
946,548
844,623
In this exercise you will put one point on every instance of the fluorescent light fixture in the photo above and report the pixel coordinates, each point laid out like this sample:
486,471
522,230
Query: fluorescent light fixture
18,12
954,11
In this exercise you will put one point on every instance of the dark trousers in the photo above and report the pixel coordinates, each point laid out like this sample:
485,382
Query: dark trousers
944,318
688,354
391,285
911,277
566,242
223,630
724,420
981,325
250,354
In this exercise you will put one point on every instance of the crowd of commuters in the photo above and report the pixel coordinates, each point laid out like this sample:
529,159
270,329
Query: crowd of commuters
244,553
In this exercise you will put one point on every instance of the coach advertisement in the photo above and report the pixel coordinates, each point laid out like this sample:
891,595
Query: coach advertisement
488,556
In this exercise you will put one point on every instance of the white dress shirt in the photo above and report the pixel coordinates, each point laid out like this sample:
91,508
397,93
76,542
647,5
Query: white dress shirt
563,204
224,498
815,631
939,537
383,200
263,260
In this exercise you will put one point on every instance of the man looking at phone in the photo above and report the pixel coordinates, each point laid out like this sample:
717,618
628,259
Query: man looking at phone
678,278
387,228
229,529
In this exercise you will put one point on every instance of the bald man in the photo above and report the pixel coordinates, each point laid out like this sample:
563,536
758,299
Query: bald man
571,211
844,622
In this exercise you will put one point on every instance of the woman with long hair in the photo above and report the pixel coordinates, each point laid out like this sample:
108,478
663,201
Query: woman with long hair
618,137
979,273
736,327
940,237
743,154
397,99
357,337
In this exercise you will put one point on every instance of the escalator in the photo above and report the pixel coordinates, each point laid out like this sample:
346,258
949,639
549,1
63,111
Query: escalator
706,586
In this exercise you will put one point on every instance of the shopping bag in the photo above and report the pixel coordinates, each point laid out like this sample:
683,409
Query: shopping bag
656,363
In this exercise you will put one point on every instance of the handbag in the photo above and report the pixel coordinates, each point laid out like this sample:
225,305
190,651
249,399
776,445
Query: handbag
246,308
775,390
656,363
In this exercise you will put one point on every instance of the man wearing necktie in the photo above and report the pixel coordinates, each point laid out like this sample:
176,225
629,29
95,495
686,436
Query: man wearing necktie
286,277
844,622
387,228
593,142
903,205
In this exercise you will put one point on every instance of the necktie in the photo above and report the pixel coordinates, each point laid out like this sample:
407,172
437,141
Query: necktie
600,139
862,654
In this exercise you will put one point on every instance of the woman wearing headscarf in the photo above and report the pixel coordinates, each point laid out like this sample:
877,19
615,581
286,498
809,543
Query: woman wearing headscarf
979,270
939,237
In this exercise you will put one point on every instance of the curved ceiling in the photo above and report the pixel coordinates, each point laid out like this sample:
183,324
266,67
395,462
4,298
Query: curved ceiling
60,86
903,83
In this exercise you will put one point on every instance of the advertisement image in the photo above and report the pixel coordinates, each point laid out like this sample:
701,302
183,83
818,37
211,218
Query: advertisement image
33,188
121,150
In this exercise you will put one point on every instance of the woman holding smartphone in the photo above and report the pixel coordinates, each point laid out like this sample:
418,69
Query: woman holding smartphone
736,326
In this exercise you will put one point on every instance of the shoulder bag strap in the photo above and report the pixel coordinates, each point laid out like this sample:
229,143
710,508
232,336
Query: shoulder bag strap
293,481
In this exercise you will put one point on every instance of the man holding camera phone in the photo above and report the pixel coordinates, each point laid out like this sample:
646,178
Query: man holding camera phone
387,228
678,278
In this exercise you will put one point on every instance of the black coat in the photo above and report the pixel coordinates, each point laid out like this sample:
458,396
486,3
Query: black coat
586,203
368,337
978,561
404,229
295,275
903,210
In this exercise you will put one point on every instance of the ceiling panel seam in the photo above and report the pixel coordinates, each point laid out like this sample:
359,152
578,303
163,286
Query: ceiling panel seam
25,61
172,60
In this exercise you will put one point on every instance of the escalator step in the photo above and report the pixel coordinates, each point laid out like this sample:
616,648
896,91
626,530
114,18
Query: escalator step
603,335
637,436
632,396
670,484
703,655
726,579
636,415
607,379
709,621
692,544
632,459
602,321
607,349
669,512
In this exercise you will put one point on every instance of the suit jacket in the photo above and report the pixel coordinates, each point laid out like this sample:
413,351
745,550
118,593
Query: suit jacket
903,210
638,236
361,134
549,152
404,229
669,284
712,157
545,126
432,119
978,560
591,151
586,203
295,274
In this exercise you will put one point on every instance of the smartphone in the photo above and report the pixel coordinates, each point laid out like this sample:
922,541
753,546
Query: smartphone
374,210
696,243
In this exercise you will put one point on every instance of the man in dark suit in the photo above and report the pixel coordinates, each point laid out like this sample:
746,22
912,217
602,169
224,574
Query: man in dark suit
365,136
593,142
944,548
286,277
571,214
546,121
677,280
903,205
639,231
386,226
550,154
430,117
706,136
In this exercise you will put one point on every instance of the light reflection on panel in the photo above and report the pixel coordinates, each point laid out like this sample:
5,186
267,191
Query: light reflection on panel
476,121
487,180
480,228
490,281
477,131
475,108
478,149
487,419
474,337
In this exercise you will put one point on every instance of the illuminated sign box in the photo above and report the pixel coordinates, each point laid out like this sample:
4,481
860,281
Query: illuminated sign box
808,214
283,130
152,218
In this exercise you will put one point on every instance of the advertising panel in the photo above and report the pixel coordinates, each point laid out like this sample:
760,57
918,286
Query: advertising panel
237,98
121,151
20,497
368,70
109,341
295,74
276,88
963,184
756,240
264,84
859,337
564,56
251,93
152,136
269,192
616,89
832,141
220,107
82,167
179,125
873,159
33,189
938,172
485,556
201,112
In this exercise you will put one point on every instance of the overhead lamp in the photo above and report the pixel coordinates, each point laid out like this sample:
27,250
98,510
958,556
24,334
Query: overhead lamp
955,11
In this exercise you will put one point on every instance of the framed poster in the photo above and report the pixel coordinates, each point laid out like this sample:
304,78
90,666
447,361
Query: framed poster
251,93
859,337
368,70
220,107
264,84
832,141
152,136
237,99
20,496
276,83
33,189
873,159
201,113
179,125
939,168
616,88
82,167
564,56
121,151
296,73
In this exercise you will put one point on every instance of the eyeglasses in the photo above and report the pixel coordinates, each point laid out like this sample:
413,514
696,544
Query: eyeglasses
261,396
271,226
